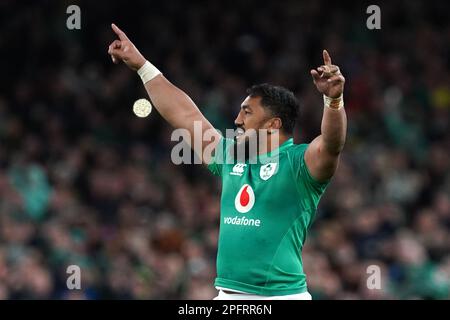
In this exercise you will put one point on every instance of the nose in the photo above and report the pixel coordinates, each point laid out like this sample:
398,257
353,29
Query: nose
238,121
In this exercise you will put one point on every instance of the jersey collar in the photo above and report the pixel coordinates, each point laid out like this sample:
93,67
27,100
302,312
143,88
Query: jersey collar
274,153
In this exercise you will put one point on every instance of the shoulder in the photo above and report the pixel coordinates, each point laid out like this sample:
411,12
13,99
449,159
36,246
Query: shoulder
297,149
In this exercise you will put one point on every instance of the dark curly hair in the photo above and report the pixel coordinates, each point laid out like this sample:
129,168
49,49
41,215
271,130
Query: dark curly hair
280,101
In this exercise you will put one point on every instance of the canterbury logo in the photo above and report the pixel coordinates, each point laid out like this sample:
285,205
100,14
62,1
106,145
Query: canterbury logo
238,169
245,199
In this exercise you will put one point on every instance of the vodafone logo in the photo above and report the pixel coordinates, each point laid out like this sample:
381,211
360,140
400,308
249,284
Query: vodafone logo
245,199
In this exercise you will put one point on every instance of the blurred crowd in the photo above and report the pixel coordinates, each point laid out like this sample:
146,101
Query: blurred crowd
85,182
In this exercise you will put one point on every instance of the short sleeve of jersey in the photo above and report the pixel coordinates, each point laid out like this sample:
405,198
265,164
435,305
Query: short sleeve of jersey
220,156
305,181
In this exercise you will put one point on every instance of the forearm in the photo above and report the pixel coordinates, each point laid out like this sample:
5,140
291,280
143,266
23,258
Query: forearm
322,154
334,129
178,109
175,106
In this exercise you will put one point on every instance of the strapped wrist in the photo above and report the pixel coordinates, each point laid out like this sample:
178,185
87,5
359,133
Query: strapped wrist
334,103
147,72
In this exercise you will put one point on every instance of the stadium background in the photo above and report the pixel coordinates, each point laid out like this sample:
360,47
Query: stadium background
83,181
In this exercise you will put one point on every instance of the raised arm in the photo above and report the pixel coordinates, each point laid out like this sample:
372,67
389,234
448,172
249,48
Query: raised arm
322,154
173,104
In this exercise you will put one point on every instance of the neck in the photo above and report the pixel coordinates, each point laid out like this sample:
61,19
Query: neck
272,142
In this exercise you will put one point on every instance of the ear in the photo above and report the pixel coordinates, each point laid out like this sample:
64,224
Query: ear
274,123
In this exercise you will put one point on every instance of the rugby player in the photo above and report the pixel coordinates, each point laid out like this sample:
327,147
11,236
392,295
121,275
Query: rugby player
267,206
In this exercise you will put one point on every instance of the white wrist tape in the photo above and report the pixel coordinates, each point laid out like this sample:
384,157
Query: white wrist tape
147,72
333,103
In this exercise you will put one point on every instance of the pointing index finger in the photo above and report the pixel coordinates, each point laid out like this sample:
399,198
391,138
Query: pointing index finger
118,32
326,58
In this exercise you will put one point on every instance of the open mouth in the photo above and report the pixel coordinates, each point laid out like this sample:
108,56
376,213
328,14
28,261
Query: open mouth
239,133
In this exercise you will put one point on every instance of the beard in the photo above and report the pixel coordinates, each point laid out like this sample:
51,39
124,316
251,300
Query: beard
249,143
245,146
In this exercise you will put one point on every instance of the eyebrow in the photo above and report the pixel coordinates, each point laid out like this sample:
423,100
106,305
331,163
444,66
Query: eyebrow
246,106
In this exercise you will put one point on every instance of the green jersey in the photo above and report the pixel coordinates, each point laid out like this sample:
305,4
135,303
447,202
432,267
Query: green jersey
266,210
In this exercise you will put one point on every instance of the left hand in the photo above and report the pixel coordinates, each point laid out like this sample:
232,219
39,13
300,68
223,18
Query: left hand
328,78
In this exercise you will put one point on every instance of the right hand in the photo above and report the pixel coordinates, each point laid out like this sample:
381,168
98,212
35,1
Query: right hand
124,50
